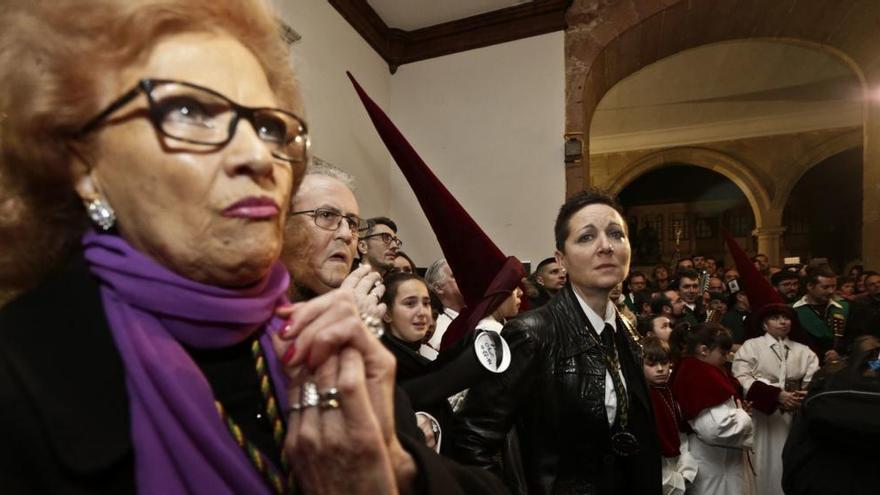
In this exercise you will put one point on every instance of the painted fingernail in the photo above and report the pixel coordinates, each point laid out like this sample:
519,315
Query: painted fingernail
288,355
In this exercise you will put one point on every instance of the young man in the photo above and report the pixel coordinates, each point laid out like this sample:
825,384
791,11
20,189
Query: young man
823,318
549,277
379,244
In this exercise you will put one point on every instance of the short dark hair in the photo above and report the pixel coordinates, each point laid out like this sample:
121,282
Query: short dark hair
637,274
691,274
544,262
778,277
575,204
372,222
655,350
658,302
815,272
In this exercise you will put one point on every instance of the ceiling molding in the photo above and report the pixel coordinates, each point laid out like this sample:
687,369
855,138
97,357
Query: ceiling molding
398,47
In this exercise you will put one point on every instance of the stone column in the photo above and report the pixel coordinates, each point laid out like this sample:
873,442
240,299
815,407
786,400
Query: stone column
871,182
770,243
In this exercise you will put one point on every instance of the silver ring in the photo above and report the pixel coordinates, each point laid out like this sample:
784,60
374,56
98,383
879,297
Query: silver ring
373,324
309,396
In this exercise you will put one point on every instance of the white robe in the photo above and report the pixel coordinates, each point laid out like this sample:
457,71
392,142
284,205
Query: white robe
757,360
722,435
679,470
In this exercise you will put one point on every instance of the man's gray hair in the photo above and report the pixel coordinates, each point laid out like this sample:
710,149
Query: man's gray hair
435,276
318,166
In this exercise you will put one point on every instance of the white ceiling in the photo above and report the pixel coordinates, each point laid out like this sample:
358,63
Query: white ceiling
414,14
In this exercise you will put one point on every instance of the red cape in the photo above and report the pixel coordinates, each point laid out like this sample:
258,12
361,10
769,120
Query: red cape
667,420
697,385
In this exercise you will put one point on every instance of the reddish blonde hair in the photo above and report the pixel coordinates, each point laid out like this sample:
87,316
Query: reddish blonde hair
58,61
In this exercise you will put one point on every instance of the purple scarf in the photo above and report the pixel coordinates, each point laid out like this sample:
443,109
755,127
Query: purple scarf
180,443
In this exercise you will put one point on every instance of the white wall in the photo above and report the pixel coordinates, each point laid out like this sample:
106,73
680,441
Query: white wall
490,124
340,129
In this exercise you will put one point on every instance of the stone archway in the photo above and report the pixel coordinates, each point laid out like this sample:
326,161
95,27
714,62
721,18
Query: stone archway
608,41
817,155
713,160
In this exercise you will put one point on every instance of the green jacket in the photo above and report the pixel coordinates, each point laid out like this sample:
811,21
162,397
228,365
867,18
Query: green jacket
819,328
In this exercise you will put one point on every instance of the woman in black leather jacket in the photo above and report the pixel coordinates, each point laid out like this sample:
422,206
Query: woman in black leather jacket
579,401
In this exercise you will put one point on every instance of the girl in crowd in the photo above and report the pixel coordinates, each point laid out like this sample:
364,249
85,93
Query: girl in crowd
679,466
403,263
659,326
407,321
711,403
774,372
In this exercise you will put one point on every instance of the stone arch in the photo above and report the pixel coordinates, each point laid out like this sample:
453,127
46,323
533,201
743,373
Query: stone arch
606,41
719,162
815,156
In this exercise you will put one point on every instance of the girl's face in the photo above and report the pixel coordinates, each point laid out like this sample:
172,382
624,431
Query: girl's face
714,356
656,373
777,326
510,307
662,327
410,315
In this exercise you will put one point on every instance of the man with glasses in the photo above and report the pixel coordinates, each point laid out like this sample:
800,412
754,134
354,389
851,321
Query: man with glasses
379,244
321,235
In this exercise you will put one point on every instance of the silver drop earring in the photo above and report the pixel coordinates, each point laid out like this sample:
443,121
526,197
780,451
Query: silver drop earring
101,213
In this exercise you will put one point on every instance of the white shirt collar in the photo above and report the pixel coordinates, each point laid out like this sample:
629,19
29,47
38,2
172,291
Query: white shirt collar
597,322
803,302
451,313
770,340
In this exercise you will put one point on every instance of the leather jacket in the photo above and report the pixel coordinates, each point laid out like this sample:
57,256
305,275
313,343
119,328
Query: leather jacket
554,393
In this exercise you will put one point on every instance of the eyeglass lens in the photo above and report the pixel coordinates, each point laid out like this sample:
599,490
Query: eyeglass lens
331,220
195,115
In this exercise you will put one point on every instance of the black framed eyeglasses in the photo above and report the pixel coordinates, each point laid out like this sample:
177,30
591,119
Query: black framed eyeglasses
386,239
330,219
193,114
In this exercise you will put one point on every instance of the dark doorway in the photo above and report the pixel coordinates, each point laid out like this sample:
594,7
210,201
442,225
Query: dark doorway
823,216
689,202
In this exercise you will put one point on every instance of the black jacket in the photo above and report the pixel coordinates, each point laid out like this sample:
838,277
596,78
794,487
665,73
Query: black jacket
554,393
64,414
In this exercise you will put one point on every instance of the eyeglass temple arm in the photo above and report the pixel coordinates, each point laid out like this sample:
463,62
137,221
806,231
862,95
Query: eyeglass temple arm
116,105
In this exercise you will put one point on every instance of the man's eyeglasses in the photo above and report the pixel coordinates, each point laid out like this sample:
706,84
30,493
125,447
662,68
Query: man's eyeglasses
330,219
386,238
194,114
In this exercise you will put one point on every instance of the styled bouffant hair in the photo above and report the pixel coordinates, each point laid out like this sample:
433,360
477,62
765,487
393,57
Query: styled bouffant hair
655,350
575,204
59,66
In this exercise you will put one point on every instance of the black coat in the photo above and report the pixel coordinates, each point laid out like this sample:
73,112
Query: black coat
64,413
553,392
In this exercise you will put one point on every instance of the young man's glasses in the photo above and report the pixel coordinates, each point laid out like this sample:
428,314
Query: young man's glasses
330,219
194,114
386,239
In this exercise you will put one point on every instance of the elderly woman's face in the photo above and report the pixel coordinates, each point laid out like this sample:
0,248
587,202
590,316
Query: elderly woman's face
212,214
597,250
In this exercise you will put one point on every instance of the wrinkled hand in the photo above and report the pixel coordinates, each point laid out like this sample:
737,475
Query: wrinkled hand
425,423
326,336
368,290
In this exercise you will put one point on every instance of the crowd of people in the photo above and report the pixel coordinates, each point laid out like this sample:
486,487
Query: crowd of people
202,308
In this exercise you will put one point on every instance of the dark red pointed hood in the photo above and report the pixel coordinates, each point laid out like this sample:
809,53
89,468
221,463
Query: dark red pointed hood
484,274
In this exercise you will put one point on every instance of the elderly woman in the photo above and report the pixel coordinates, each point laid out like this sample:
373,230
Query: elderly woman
144,356
775,373
574,388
